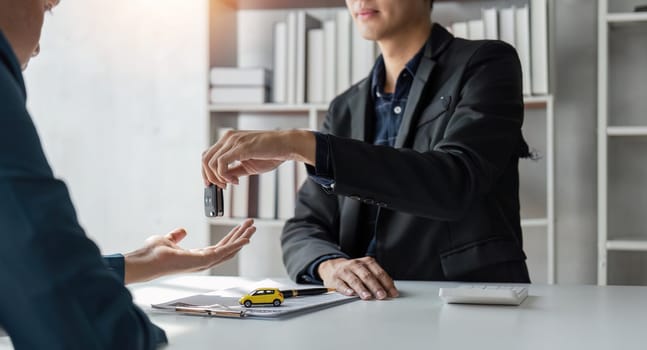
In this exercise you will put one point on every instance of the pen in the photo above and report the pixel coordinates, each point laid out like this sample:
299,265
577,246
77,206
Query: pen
302,292
210,312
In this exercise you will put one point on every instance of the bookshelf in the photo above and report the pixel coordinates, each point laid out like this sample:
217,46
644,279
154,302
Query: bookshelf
615,16
226,35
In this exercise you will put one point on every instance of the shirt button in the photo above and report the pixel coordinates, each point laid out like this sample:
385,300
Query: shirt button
397,110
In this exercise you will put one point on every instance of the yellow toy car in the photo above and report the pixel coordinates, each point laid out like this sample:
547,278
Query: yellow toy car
262,296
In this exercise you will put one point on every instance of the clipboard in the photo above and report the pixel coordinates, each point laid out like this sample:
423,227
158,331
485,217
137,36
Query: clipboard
224,303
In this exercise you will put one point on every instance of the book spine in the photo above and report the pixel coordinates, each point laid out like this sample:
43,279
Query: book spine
315,66
539,42
343,34
523,46
280,89
330,60
286,190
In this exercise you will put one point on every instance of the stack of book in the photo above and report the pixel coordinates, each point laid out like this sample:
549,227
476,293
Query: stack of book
239,85
525,28
316,60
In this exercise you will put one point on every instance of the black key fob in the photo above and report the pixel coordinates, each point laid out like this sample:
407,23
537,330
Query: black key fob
213,202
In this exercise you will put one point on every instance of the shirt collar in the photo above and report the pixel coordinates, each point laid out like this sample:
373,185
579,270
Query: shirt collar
377,81
8,58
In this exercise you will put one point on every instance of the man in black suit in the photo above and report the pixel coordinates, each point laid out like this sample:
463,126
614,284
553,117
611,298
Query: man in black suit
415,175
56,291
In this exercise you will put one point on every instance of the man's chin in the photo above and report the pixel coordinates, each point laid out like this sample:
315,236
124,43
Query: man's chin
25,65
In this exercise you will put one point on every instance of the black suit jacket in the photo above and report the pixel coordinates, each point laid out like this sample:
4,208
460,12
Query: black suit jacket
448,191
55,290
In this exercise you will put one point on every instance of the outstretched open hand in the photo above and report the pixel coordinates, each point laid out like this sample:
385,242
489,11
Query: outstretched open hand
161,255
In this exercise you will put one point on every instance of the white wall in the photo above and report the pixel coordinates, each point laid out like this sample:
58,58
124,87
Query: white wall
119,98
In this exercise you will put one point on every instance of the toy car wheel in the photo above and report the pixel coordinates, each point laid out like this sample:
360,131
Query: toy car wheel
247,303
276,302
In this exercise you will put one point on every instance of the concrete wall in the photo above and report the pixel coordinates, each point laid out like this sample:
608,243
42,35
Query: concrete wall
119,97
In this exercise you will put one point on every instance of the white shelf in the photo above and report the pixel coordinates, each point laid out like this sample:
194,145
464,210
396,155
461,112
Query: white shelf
267,223
629,17
529,101
541,222
268,107
627,244
606,21
627,131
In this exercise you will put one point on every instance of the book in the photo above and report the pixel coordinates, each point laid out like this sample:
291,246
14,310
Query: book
280,71
267,195
507,26
286,190
343,62
231,76
522,39
292,58
315,66
330,60
235,94
363,56
491,23
539,43
476,29
460,30
305,23
225,303
239,198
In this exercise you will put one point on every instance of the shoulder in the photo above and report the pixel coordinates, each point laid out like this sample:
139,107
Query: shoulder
12,101
470,51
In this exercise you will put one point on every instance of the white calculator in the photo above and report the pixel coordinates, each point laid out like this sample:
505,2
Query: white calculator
484,294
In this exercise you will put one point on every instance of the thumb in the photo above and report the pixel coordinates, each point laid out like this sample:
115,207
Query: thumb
176,235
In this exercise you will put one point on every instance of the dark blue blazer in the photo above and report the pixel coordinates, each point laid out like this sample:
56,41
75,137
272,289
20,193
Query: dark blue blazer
56,291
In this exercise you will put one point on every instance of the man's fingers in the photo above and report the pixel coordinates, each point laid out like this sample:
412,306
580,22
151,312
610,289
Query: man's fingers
343,287
239,170
228,157
370,281
217,255
356,283
176,235
383,278
236,232
207,171
249,232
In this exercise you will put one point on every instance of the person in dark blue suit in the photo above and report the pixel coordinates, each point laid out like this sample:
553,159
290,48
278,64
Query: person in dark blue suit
56,290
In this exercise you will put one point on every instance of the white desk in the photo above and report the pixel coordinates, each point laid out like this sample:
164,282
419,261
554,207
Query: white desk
553,317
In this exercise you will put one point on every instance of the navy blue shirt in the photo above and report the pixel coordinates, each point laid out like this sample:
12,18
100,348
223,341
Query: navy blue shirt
56,292
389,109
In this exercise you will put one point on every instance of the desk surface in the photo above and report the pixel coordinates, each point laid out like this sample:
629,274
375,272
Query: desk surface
553,317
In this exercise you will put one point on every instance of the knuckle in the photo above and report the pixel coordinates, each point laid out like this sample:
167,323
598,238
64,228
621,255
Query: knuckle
381,274
364,274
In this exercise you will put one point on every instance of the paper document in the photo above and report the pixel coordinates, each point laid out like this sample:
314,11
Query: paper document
225,302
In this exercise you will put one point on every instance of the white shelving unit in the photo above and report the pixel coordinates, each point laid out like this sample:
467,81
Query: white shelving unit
606,21
223,14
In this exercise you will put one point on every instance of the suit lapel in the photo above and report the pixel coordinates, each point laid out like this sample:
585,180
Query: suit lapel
425,68
359,110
